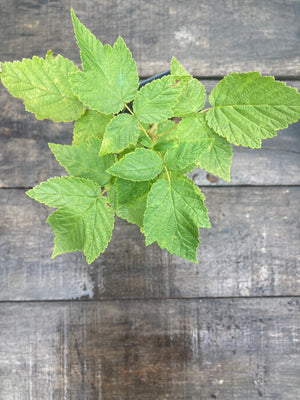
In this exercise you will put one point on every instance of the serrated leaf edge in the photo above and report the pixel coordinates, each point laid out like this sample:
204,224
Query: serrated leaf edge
273,131
30,192
44,60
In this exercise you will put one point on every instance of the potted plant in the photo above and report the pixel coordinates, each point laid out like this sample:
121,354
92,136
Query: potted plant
128,155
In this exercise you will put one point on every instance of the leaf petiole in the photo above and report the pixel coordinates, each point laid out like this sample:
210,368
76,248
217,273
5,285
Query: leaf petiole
165,167
206,109
140,125
167,131
105,190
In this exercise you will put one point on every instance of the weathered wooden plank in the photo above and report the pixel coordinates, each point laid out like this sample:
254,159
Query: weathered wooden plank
187,349
252,249
211,37
25,158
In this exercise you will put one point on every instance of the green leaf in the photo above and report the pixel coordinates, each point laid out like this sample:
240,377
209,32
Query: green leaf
132,200
112,195
90,124
175,210
191,99
155,101
193,95
217,158
248,107
164,145
186,153
166,135
166,130
144,140
134,211
128,191
44,86
120,133
65,192
84,222
139,165
178,70
90,46
83,160
114,83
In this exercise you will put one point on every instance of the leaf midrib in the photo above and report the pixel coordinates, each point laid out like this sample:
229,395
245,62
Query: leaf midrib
29,82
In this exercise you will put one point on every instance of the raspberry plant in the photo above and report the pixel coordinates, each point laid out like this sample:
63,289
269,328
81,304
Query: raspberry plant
128,156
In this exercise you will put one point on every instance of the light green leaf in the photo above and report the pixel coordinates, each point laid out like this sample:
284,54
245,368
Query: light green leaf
174,212
155,101
186,153
90,124
139,165
166,130
249,107
129,149
144,140
83,160
84,222
120,133
178,70
65,192
193,95
89,231
114,83
191,99
112,195
166,135
90,46
44,86
132,200
217,158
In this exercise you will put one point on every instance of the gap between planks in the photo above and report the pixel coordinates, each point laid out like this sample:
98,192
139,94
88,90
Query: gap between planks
147,299
209,186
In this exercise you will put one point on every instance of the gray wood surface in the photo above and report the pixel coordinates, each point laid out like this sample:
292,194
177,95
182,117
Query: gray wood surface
252,249
139,323
165,349
26,160
211,38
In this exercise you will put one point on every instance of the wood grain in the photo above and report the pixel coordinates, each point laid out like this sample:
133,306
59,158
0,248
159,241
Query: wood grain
26,160
187,349
252,249
212,38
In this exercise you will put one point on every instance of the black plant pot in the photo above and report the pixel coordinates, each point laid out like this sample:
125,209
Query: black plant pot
152,78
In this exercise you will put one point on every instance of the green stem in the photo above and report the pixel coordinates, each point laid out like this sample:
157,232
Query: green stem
128,108
209,108
165,167
141,126
167,131
167,172
105,190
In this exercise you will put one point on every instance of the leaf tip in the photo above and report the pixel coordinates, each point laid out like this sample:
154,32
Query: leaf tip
73,15
30,193
55,252
52,146
194,260
120,39
89,260
227,178
49,55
